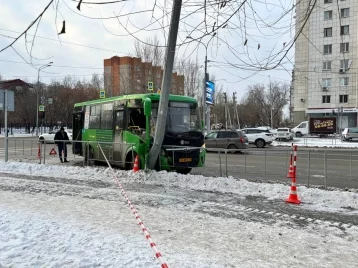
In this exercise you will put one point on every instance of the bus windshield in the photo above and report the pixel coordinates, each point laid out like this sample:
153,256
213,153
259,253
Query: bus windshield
182,117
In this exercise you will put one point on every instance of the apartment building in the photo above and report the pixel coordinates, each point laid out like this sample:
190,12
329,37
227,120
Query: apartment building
325,71
128,75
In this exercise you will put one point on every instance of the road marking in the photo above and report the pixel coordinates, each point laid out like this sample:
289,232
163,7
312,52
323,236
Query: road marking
279,215
318,176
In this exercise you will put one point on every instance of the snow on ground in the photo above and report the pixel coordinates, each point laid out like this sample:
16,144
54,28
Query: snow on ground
329,142
46,221
312,198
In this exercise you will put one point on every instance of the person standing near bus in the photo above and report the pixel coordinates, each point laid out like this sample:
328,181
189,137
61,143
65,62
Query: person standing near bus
61,139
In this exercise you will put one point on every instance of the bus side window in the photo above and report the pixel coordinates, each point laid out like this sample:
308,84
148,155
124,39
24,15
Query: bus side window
119,120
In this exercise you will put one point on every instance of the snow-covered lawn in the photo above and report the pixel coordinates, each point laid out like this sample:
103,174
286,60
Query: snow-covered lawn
64,216
329,142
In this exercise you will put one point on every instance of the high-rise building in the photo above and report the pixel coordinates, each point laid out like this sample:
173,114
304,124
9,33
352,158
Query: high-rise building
325,71
127,75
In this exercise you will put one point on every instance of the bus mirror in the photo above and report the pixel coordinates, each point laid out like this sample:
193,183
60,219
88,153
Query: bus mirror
147,107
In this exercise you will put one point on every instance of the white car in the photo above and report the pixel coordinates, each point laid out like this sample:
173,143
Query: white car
284,133
258,136
50,137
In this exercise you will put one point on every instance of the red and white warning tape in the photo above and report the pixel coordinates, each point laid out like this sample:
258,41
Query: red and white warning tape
158,255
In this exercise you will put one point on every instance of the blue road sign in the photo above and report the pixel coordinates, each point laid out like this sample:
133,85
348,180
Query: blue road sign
210,92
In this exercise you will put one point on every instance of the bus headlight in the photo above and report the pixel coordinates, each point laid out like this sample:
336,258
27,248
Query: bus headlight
202,148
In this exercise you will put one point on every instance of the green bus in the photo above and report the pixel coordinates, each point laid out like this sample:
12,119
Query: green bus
124,127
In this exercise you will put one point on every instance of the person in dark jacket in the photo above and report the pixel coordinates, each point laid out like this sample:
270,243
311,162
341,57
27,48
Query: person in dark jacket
61,139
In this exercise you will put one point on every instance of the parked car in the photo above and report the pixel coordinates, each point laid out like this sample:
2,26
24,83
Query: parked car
49,137
258,136
284,133
227,139
349,134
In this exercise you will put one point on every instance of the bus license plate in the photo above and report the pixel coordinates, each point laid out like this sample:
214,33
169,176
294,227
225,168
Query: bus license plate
183,160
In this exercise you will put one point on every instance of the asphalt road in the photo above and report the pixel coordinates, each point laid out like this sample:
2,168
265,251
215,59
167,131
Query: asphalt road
340,169
331,168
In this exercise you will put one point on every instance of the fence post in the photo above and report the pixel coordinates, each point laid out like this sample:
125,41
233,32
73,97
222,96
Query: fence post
265,160
245,161
226,163
308,168
87,148
350,166
325,169
45,153
221,171
83,153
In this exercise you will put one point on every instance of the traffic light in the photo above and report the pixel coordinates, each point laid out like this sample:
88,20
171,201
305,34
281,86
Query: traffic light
225,99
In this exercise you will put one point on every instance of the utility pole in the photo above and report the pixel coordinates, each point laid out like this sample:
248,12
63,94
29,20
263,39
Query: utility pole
206,108
225,99
235,109
271,108
6,134
166,83
204,92
37,95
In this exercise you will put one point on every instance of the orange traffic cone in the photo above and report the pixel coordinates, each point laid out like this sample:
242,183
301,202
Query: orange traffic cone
136,164
293,197
53,151
39,152
290,173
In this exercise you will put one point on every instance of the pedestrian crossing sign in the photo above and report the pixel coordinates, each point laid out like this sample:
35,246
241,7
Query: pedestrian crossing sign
102,94
150,86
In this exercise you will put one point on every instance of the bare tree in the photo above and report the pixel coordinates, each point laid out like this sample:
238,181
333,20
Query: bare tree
260,101
150,51
193,80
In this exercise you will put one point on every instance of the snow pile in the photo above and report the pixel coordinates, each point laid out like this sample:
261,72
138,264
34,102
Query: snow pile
312,198
317,142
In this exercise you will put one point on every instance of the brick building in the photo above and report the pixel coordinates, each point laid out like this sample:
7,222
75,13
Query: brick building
127,75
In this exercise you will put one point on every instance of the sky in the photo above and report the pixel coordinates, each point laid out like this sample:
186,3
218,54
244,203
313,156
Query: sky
99,38
82,220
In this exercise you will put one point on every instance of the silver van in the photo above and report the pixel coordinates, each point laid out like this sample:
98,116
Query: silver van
349,134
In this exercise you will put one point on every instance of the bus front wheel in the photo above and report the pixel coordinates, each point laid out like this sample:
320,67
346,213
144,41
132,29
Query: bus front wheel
130,160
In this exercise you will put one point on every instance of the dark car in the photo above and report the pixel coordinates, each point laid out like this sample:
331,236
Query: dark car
226,139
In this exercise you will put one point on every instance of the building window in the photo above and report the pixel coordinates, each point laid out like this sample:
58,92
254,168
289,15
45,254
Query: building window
326,82
328,15
343,98
343,81
327,49
327,65
328,1
326,99
328,32
345,12
344,29
344,47
344,65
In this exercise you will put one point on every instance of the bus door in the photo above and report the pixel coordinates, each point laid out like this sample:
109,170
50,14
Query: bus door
118,137
77,132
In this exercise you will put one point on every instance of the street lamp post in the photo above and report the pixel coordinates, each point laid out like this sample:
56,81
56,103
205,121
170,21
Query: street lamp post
37,95
206,109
